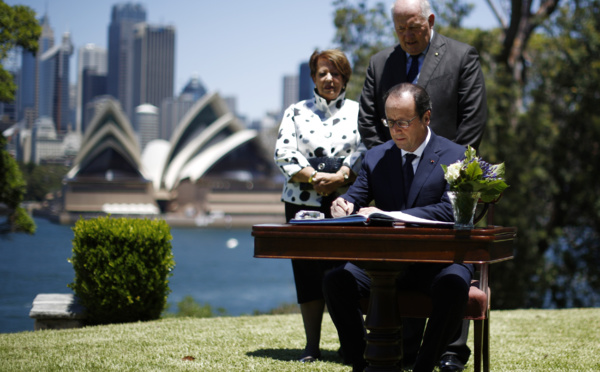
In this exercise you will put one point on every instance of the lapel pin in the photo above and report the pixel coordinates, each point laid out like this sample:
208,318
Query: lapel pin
437,54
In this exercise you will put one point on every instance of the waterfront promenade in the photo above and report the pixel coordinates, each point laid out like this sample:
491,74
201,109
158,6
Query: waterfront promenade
221,209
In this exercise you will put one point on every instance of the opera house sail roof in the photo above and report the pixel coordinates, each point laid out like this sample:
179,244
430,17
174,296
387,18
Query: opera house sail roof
110,169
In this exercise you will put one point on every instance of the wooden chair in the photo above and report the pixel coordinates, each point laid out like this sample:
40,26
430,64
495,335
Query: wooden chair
478,305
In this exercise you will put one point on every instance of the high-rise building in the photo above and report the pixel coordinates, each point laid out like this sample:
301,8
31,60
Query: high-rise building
290,91
46,145
194,88
93,84
45,43
92,60
47,37
120,52
172,110
305,83
25,98
231,102
154,63
53,89
146,117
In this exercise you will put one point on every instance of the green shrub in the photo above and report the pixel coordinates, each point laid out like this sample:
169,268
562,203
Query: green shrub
188,307
121,268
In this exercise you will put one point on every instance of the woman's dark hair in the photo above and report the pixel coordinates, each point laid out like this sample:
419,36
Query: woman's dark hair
335,56
420,95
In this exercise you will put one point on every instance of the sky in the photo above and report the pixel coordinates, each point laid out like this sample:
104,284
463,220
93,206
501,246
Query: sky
237,48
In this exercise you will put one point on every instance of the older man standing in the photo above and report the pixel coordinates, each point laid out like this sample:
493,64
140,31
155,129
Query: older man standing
402,174
450,72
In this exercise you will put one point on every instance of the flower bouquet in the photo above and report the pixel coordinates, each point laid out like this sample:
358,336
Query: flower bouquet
471,180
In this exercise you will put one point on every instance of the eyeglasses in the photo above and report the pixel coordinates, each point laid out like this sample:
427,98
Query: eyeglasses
399,124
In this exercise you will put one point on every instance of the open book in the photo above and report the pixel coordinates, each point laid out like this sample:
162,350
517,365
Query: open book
373,218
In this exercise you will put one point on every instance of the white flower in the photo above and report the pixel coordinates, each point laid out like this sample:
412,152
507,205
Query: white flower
453,172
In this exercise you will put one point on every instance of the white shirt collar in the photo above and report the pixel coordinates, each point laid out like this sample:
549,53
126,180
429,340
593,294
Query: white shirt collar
332,107
419,151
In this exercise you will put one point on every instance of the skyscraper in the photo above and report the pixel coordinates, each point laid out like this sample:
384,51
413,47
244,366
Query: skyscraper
120,52
154,64
290,91
26,88
92,85
194,88
92,68
53,89
305,83
27,98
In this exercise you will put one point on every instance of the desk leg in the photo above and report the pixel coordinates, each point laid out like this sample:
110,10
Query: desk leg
384,336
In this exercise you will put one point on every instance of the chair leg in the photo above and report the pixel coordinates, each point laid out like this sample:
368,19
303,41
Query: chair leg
478,334
486,343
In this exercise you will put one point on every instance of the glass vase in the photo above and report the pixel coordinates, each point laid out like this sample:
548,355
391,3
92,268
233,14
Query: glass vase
463,207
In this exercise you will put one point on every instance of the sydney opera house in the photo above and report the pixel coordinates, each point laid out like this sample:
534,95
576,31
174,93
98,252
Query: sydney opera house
212,172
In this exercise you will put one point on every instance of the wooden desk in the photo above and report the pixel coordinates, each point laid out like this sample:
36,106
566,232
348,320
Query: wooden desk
382,252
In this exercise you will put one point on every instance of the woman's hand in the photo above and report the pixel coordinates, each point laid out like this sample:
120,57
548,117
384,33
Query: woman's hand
326,183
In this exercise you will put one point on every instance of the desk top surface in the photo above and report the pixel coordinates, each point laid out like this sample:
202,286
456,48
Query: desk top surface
375,243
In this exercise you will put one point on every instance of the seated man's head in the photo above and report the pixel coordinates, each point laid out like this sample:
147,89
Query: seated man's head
407,112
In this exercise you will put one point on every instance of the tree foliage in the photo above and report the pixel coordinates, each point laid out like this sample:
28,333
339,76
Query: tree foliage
12,190
542,71
42,180
18,27
452,12
564,97
361,32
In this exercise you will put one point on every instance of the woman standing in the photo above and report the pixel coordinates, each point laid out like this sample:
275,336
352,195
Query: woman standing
324,127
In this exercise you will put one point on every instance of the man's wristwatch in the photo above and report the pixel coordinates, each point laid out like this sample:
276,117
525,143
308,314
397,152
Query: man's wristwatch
310,179
346,175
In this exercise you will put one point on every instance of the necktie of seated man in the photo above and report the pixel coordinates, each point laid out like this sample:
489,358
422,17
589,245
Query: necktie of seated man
408,174
414,69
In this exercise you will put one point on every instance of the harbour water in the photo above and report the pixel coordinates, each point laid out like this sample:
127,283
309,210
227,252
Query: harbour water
214,266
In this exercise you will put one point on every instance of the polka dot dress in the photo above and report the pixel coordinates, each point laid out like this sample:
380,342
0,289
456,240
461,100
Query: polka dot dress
313,128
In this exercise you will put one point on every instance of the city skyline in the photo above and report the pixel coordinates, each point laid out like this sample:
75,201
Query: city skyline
239,49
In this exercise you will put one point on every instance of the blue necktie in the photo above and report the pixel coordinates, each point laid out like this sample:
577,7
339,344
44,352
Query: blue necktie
414,69
408,173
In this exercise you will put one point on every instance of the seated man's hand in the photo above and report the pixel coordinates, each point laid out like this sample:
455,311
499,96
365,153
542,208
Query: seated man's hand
365,211
340,207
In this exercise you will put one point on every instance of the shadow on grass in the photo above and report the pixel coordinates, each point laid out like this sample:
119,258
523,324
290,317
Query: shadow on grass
292,355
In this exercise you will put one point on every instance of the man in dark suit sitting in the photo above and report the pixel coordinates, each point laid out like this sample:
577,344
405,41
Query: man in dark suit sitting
419,190
451,73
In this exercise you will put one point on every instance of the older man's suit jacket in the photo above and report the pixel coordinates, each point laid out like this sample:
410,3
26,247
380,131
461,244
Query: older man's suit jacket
381,179
452,76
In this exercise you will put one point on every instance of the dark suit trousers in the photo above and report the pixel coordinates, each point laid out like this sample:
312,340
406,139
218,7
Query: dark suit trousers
412,334
448,285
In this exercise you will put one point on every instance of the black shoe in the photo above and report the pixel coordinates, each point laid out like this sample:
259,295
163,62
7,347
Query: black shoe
450,363
309,358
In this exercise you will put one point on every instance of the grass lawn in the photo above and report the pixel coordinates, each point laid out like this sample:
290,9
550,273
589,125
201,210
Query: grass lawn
521,340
